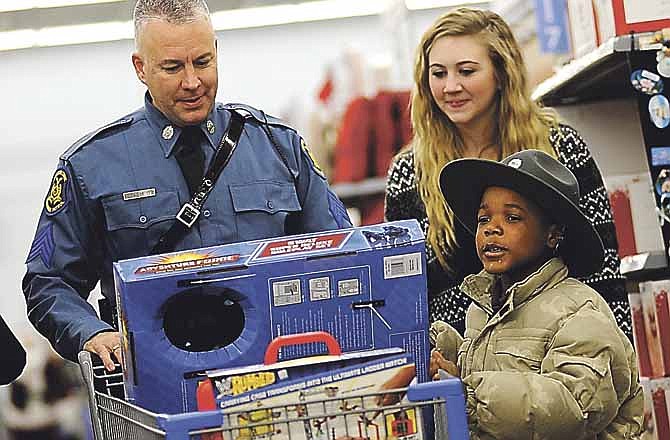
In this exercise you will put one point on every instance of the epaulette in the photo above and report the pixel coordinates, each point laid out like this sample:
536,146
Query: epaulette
258,115
90,136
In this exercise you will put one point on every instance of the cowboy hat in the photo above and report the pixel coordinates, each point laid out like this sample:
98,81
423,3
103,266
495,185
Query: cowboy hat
538,177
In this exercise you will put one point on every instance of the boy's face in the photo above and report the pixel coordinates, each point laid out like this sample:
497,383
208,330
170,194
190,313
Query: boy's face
512,234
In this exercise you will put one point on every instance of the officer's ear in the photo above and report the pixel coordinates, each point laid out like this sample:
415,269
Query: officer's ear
138,64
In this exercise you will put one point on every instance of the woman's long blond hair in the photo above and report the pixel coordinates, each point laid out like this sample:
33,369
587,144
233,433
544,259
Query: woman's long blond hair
521,123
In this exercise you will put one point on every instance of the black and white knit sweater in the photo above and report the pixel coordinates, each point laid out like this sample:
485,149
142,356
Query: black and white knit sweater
446,301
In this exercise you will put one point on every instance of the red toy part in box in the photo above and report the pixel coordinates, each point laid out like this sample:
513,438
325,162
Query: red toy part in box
207,402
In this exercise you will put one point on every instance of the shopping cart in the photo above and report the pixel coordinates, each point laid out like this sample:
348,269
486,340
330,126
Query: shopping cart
113,418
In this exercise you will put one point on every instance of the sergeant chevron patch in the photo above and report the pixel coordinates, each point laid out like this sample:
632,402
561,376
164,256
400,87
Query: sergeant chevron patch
43,246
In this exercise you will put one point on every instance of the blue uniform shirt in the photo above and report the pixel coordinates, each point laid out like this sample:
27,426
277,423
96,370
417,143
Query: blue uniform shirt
118,189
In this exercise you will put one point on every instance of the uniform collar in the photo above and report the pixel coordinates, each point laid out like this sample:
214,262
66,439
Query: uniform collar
168,133
478,286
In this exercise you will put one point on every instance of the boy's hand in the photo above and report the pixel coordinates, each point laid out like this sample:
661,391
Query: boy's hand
438,362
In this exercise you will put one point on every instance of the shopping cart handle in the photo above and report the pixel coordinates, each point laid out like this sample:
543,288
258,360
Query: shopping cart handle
451,391
272,352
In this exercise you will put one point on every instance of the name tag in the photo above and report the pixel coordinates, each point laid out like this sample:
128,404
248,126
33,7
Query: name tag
139,194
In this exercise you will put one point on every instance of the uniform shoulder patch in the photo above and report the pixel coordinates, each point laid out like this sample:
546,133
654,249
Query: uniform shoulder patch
90,136
315,165
57,197
258,115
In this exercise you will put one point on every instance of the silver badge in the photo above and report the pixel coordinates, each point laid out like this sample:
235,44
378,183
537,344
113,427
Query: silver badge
168,132
210,126
515,163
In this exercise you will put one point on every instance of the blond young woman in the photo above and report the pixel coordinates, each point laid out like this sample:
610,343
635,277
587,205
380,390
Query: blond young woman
471,99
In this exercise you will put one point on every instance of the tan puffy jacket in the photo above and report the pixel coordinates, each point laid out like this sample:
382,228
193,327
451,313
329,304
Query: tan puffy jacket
552,364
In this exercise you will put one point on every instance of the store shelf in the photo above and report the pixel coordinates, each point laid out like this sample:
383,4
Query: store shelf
364,188
600,74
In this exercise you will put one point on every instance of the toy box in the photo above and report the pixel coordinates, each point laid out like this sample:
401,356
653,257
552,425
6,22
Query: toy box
648,423
592,22
339,394
219,307
640,335
633,15
583,30
654,296
660,399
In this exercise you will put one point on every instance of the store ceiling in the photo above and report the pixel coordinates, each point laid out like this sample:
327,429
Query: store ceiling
103,12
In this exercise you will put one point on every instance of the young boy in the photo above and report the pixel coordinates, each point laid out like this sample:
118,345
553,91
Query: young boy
542,355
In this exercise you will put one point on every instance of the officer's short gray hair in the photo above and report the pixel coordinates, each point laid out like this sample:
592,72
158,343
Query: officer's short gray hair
172,11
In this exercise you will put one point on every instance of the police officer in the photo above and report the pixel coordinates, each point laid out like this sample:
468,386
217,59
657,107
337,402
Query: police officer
116,192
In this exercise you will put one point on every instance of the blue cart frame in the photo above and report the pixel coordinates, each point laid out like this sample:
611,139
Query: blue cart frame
115,419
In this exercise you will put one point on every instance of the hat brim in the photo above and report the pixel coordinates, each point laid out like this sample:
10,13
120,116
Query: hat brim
464,181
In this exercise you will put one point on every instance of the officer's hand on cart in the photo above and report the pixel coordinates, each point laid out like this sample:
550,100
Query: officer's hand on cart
438,362
104,344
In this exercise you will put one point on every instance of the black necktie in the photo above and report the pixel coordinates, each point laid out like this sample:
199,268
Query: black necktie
190,157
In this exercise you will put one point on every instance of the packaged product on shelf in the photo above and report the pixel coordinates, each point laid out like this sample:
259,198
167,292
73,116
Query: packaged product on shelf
654,295
649,424
594,22
660,396
639,335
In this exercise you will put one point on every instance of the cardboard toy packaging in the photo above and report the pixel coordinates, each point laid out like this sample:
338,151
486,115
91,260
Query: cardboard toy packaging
593,22
187,312
583,33
648,424
621,17
660,404
321,398
640,335
654,296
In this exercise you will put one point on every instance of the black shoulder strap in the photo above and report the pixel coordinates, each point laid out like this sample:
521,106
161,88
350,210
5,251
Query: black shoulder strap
190,211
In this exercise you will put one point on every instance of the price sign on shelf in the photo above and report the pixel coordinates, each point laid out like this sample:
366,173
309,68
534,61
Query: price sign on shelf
552,26
633,263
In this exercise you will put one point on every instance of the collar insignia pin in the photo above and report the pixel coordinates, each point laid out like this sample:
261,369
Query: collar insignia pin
168,132
515,163
211,128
